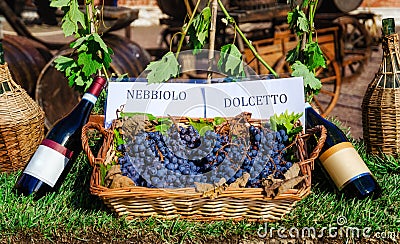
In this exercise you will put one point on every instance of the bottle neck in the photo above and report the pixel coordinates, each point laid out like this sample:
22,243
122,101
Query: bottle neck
390,67
2,61
388,26
95,89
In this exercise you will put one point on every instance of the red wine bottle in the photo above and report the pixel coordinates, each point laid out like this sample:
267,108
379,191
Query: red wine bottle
341,162
54,157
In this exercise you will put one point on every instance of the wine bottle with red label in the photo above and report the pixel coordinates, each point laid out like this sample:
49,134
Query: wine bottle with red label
54,157
341,162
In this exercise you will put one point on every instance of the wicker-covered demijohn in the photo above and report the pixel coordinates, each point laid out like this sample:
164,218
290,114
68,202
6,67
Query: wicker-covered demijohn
232,203
21,123
381,103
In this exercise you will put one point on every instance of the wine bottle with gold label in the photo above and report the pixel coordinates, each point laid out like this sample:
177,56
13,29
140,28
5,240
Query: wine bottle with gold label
341,161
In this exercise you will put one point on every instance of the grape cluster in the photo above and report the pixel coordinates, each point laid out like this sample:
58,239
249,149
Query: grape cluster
271,156
164,161
190,136
153,159
136,154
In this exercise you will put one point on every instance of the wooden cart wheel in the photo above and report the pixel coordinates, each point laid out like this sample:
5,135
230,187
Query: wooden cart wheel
355,46
330,78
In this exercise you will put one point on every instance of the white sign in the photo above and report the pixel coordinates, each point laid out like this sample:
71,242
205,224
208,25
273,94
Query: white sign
262,98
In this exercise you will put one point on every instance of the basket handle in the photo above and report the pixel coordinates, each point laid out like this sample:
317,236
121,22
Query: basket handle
317,149
314,154
108,136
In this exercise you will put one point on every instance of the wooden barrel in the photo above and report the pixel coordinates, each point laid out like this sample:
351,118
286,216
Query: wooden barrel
177,8
26,58
338,6
17,6
55,96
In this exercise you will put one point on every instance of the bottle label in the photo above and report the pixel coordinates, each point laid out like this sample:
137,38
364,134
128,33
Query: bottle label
91,98
343,164
48,162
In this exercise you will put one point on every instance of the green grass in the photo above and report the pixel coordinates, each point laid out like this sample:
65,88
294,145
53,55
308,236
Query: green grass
75,214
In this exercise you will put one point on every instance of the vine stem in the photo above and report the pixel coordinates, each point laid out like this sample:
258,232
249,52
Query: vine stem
213,29
184,30
92,29
248,43
89,10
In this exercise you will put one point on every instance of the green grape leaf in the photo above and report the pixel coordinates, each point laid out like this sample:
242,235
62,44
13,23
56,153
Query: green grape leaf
230,62
68,27
89,64
292,55
100,41
99,50
290,18
201,126
71,79
198,31
107,60
79,42
59,3
163,125
286,122
303,23
62,63
130,114
118,137
73,18
300,70
151,117
164,120
70,70
298,21
219,120
78,80
295,131
103,172
164,69
204,129
314,56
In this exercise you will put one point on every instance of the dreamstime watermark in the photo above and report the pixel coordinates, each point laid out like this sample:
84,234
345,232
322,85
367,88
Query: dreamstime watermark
338,231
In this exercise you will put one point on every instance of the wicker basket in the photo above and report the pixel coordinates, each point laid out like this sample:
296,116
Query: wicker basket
21,124
233,203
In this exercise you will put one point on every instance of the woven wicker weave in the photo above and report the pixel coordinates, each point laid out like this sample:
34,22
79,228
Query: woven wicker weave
381,103
233,203
21,124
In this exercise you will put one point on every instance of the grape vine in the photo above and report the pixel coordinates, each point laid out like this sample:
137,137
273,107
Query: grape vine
93,54
304,59
307,56
197,29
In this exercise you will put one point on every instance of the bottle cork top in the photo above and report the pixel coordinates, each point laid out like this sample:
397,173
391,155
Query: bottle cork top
388,26
97,86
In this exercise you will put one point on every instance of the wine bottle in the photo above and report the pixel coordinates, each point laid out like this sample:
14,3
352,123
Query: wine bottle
341,162
54,157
